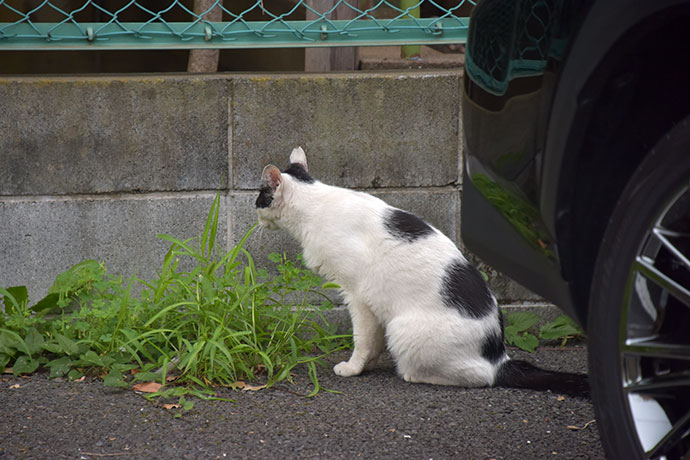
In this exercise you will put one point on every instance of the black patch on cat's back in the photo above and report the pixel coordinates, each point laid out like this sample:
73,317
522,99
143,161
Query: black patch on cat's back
265,197
464,288
493,346
406,226
298,171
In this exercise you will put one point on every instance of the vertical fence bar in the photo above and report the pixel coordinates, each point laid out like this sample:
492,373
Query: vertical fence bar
410,51
328,59
206,60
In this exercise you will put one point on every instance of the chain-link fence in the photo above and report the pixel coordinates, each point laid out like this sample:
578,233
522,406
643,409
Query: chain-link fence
187,24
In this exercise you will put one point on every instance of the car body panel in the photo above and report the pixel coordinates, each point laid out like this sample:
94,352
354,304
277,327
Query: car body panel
605,25
526,108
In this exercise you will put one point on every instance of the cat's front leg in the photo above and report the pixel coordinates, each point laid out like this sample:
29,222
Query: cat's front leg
369,339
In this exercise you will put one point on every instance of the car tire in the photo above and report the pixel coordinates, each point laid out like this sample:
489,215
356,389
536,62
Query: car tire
639,311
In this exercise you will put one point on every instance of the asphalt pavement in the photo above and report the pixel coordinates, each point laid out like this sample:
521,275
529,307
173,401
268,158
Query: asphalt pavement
376,415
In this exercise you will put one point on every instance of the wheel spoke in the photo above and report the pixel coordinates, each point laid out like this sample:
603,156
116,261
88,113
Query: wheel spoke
658,383
661,234
674,435
652,349
671,233
649,271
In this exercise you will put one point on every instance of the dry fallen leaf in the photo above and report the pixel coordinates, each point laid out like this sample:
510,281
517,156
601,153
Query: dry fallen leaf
81,379
15,386
248,387
147,387
561,398
171,406
8,370
240,385
574,428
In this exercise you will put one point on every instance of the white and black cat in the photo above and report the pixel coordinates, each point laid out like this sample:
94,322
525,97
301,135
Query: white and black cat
405,284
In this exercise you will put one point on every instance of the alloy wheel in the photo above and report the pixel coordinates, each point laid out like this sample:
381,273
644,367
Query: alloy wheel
655,335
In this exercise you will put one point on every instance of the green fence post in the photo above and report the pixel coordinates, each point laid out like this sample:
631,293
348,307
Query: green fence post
410,51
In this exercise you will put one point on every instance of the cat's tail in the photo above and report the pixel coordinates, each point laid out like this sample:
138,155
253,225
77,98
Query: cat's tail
521,374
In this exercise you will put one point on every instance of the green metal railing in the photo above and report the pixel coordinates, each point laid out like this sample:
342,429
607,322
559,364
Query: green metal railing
130,24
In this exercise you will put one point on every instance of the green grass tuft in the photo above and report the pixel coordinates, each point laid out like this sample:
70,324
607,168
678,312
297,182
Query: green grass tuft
220,322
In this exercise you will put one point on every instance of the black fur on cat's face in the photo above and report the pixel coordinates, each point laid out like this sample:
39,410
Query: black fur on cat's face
270,197
265,197
272,179
267,191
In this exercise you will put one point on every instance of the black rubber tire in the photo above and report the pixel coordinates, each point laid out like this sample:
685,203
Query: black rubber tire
662,173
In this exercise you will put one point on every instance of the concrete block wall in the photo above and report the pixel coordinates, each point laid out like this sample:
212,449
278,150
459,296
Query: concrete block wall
96,167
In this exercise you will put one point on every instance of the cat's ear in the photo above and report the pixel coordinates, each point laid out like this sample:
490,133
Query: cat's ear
271,177
299,157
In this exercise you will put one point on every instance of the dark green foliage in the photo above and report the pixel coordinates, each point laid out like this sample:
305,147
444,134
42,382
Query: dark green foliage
520,324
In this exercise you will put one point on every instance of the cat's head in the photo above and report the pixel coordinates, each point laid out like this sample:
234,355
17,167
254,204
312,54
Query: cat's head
277,188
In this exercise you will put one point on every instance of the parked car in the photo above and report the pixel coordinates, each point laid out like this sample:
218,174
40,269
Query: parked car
576,183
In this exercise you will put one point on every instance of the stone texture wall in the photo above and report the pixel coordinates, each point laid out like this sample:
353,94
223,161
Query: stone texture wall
96,167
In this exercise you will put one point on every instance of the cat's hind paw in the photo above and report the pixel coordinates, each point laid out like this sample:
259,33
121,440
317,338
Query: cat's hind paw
347,369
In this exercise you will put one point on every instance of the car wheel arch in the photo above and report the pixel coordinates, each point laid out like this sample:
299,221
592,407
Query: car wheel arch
591,146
